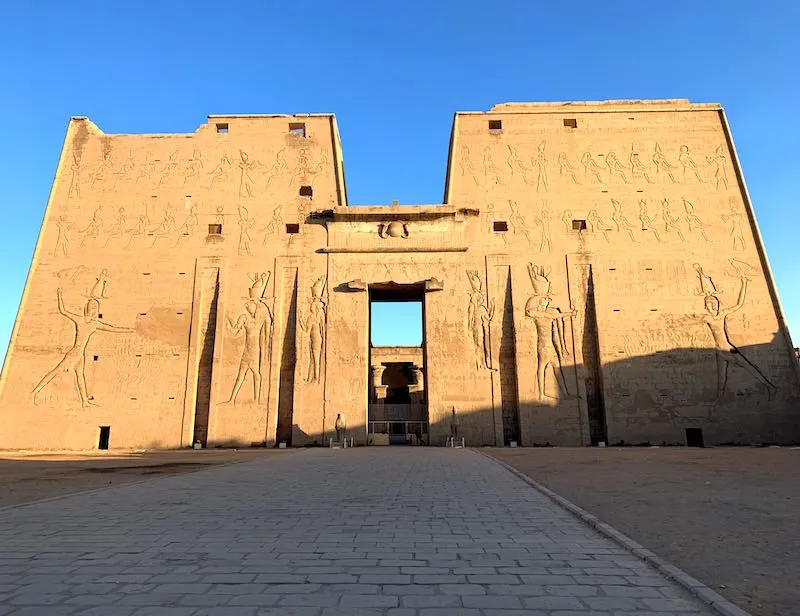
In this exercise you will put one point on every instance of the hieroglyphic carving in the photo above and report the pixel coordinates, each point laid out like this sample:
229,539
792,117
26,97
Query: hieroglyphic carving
540,162
245,224
189,225
567,169
648,221
74,359
621,221
518,221
164,228
278,167
75,178
489,168
671,222
664,168
551,345
566,218
62,241
694,220
256,322
140,230
170,168
275,224
465,163
146,170
118,228
515,162
95,226
245,180
718,160
591,168
688,164
479,318
614,166
313,324
221,173
193,167
543,220
716,319
598,224
125,169
638,168
736,219
104,167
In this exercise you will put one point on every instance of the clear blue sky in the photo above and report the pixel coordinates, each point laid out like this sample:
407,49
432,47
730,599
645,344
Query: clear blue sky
394,73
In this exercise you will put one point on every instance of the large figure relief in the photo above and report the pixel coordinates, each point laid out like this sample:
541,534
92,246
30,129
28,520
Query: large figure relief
256,323
479,319
313,325
85,325
551,347
716,319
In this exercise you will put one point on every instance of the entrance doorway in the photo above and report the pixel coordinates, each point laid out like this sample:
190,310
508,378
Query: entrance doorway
398,412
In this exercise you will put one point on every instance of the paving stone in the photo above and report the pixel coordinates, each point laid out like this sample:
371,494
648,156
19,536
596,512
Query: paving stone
377,532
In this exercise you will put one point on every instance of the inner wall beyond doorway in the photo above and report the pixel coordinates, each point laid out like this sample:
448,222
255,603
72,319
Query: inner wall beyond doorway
397,412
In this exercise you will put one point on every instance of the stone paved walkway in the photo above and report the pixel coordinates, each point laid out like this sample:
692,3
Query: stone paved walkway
395,531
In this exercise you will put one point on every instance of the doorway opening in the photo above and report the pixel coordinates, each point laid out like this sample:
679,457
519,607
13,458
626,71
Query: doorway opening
398,411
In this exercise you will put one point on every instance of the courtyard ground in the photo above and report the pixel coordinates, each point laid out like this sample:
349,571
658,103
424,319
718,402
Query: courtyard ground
27,477
728,516
358,532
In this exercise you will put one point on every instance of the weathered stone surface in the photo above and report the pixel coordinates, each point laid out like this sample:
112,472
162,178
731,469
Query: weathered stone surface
594,274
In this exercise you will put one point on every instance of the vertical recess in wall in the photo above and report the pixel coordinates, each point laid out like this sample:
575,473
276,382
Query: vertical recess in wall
507,356
591,358
288,353
209,295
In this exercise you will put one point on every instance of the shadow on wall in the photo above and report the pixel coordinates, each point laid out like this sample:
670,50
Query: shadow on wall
675,397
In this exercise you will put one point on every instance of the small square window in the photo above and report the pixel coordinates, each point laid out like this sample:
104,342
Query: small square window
306,191
215,229
579,225
222,129
292,228
570,122
500,225
495,124
95,357
297,128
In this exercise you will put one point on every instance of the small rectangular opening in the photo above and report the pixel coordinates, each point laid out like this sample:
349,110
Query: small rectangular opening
95,357
222,128
648,269
306,191
181,273
495,124
612,269
570,122
142,314
616,309
654,310
500,225
105,437
215,229
292,227
145,273
297,128
694,437
100,315
579,225
178,313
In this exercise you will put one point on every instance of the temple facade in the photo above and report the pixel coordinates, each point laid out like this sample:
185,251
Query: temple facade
594,274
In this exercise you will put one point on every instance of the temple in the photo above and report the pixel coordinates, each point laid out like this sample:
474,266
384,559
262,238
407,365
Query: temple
594,275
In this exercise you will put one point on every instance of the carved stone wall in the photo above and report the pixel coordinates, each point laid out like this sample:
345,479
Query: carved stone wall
595,273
